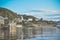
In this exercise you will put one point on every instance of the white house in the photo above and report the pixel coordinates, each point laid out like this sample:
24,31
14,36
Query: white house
29,19
1,20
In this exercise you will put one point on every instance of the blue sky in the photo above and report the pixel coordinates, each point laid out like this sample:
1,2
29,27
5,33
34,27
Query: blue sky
46,9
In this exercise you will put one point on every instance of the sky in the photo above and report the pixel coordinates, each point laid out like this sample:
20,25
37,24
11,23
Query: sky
46,9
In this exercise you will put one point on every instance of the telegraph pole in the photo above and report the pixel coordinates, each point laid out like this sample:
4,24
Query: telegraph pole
22,27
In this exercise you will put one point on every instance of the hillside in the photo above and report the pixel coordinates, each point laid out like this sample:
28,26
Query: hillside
7,13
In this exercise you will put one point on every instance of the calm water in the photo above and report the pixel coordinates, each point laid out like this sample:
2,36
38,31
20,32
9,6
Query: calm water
48,34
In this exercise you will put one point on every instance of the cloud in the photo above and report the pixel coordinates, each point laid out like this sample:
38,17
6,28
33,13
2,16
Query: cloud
54,18
42,15
44,10
53,15
45,14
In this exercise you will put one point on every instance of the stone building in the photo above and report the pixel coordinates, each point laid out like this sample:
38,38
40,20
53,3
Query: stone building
1,24
12,30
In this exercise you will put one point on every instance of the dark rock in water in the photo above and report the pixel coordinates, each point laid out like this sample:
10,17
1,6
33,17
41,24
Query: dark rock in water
58,27
58,23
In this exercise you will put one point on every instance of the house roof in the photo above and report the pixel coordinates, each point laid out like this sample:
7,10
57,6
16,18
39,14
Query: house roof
1,17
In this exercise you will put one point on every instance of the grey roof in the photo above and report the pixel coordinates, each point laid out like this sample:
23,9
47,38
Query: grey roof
1,17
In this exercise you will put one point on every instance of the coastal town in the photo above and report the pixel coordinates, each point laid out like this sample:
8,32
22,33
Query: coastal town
29,19
18,26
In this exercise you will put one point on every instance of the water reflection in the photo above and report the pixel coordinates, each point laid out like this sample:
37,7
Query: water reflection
50,33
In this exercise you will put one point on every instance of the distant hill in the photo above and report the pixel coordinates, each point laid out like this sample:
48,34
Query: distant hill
7,13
